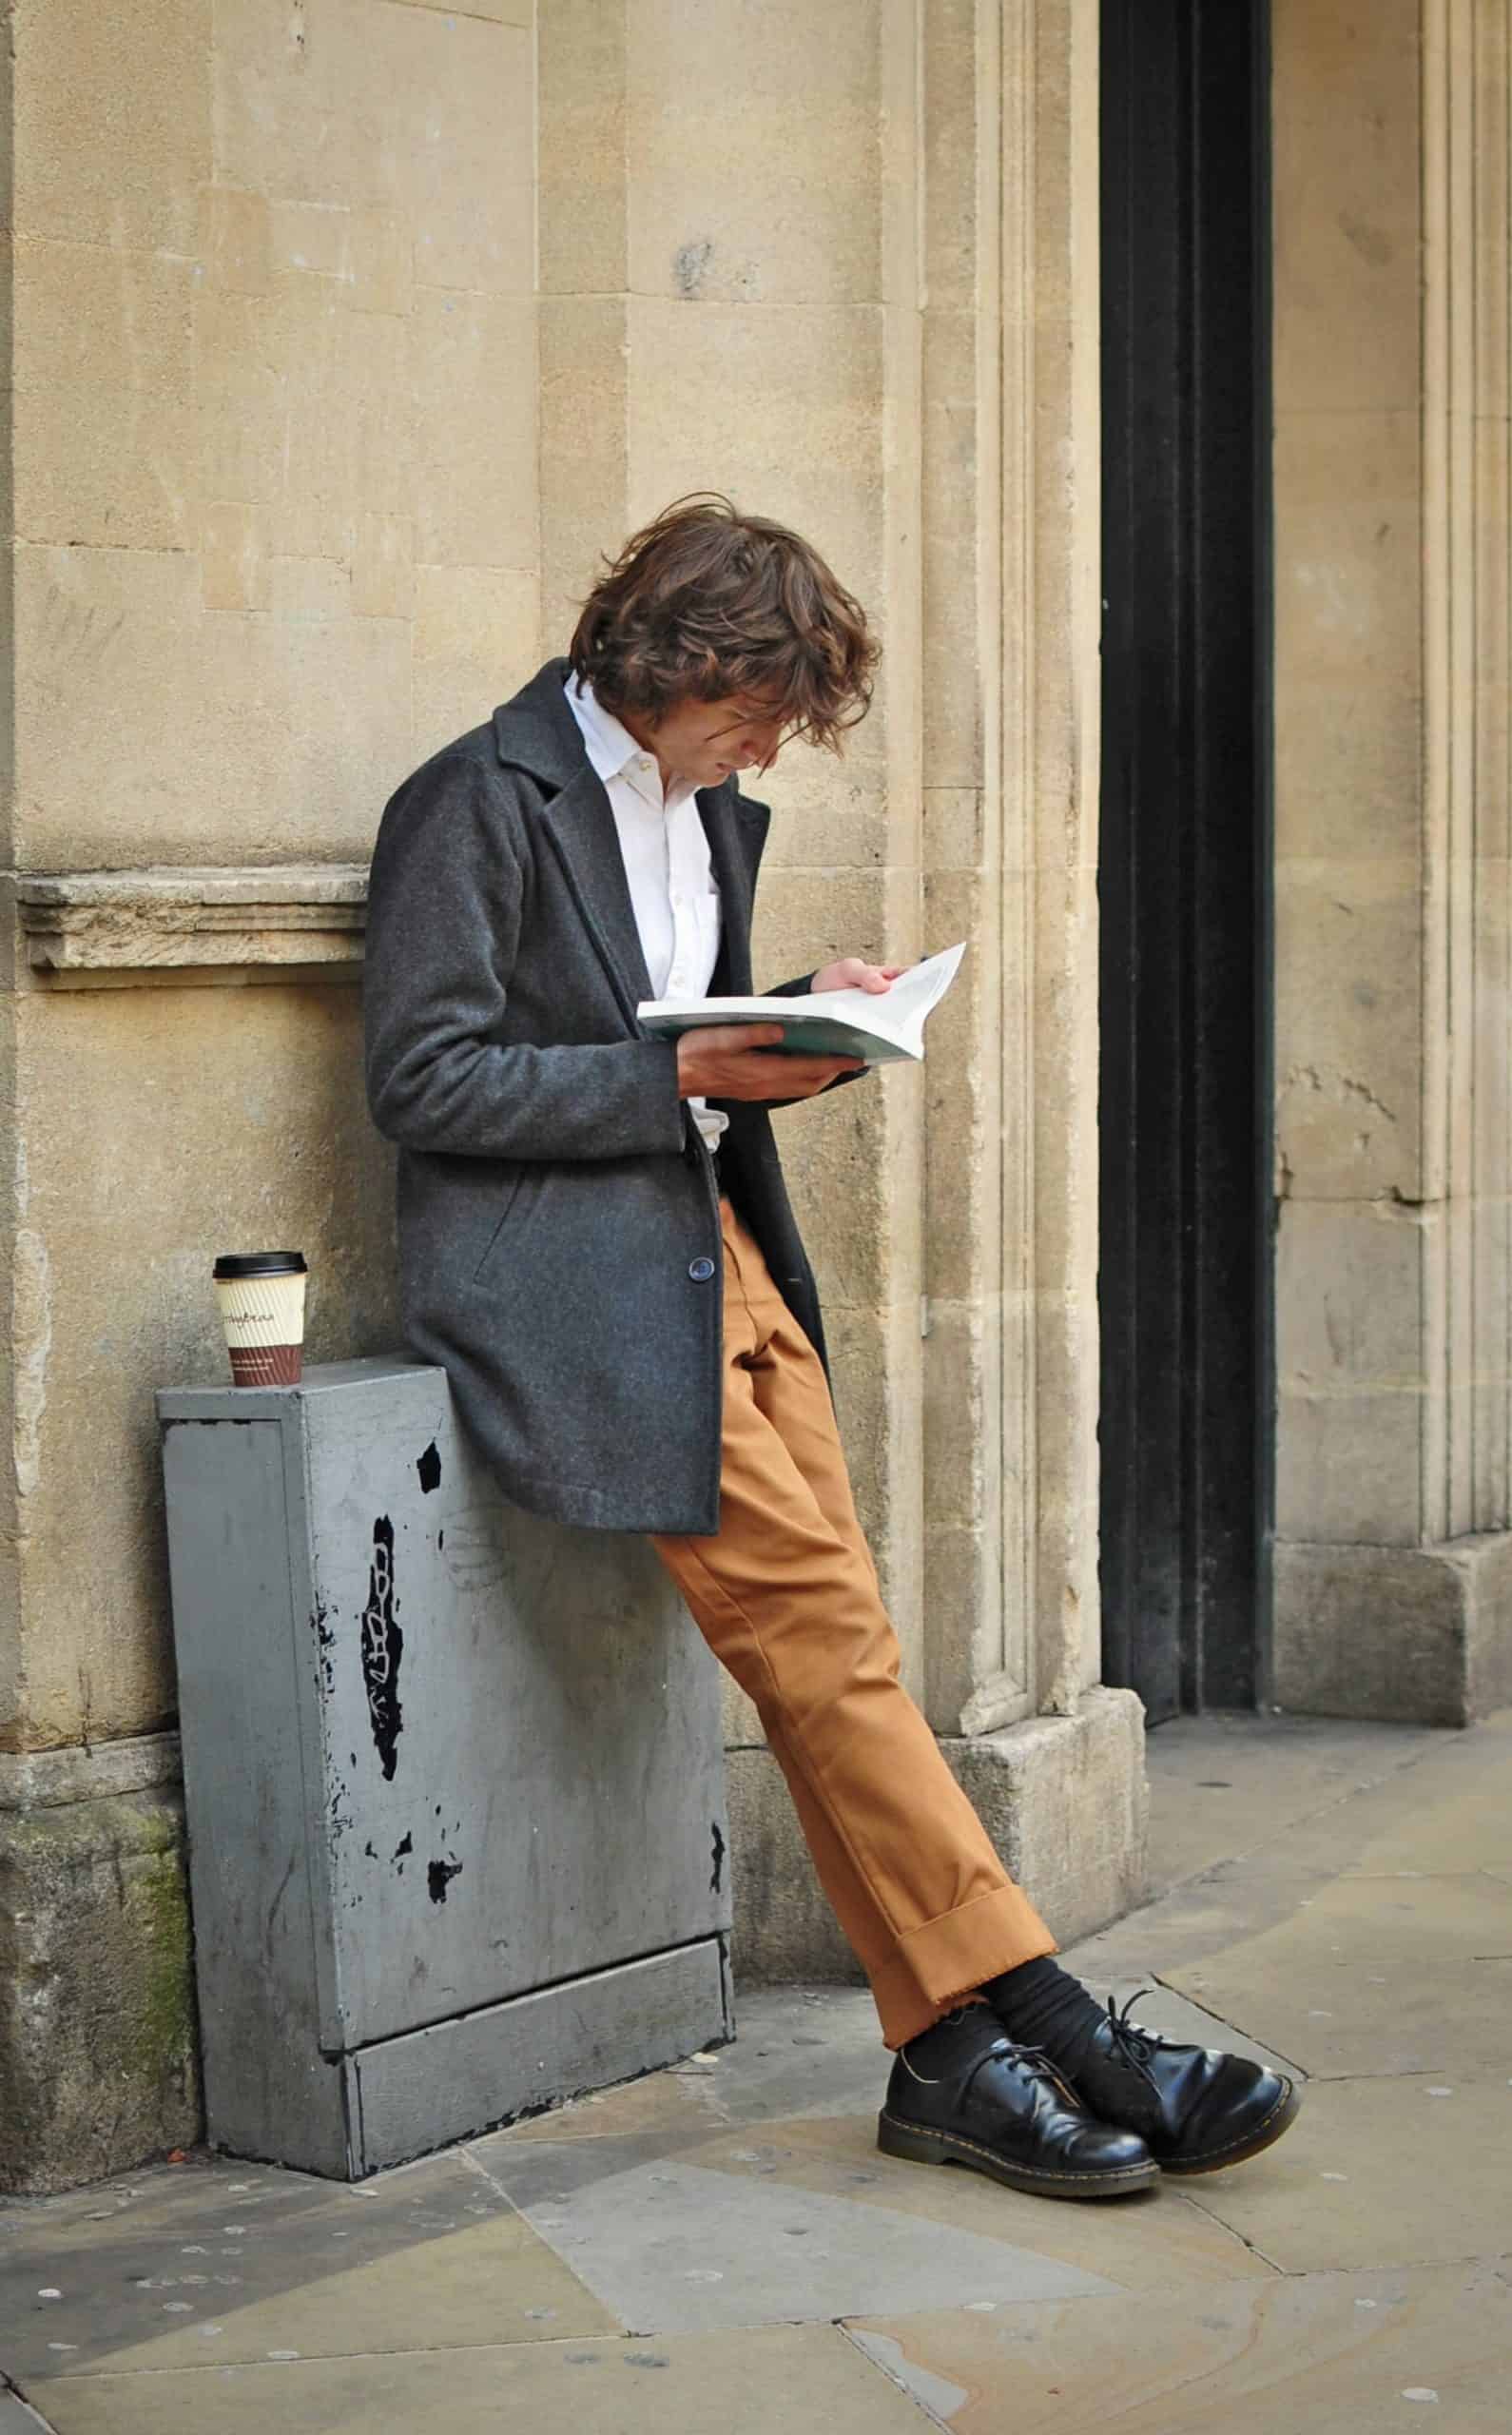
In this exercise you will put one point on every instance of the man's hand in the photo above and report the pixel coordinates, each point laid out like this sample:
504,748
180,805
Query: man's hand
735,1062
850,973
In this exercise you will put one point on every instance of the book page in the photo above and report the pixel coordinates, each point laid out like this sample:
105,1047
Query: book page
841,1022
901,1013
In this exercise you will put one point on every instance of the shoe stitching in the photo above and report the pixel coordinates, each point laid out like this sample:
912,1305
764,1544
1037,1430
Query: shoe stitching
1035,2173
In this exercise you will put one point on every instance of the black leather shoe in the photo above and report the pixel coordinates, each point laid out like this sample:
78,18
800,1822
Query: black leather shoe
963,2094
1196,2109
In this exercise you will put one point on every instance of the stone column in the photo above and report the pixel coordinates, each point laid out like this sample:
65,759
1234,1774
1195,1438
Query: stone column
1394,1562
865,301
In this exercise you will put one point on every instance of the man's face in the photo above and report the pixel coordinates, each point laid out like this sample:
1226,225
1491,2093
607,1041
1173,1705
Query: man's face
703,742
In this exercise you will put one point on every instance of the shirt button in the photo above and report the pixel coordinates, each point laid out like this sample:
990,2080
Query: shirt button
701,1271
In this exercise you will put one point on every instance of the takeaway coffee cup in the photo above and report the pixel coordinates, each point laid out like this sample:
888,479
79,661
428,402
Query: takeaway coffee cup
262,1298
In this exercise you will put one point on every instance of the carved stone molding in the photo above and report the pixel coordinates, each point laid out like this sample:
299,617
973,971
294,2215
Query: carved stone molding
81,930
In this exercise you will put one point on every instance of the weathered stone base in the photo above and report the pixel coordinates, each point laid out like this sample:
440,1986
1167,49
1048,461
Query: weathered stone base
1062,1797
97,2028
1405,1635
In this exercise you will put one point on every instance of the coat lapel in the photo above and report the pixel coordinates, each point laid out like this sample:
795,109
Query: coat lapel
581,827
735,831
537,731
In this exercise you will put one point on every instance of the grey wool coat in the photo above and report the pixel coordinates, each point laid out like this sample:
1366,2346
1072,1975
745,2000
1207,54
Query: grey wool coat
559,1237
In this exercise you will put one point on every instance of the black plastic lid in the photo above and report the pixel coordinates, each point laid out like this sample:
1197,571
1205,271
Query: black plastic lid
260,1264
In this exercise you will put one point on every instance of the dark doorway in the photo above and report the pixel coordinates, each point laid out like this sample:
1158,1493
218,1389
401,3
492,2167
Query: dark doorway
1185,1291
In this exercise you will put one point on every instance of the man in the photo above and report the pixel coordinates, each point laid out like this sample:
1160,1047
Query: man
597,1246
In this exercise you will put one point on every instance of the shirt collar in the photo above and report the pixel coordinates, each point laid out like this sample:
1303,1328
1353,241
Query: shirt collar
614,752
609,746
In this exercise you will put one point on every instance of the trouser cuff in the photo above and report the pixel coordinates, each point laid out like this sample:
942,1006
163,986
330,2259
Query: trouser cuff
934,1966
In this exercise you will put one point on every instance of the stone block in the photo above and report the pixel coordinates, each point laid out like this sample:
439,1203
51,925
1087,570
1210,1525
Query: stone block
975,1644
234,556
306,407
812,456
962,1372
1348,1464
955,682
351,409
868,1392
1409,1635
773,200
384,567
1349,758
1346,116
236,240
584,450
828,812
1349,1293
952,149
413,111
222,729
309,591
954,828
477,640
114,132
1065,1801
1349,496
475,490
964,1076
783,1927
1349,1055
102,397
1063,1798
243,1127
98,2064
584,203
377,262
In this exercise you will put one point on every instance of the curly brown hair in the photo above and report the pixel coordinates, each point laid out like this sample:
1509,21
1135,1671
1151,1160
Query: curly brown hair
709,604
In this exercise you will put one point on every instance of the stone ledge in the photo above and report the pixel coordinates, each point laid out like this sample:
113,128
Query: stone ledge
1400,1635
1063,1798
114,929
87,1771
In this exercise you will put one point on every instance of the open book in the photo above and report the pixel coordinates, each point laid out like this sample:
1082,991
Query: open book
828,1022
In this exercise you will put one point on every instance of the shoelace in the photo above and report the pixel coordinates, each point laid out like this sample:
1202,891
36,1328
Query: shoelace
1134,2045
1034,2056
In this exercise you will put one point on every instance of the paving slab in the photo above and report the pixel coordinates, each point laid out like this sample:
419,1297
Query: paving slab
1371,1975
789,2376
1375,2173
1446,1815
210,2263
1321,2354
1146,2245
17,2419
1220,1786
677,2247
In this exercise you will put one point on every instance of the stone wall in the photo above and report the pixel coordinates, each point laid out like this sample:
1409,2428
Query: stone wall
1392,844
273,400
347,333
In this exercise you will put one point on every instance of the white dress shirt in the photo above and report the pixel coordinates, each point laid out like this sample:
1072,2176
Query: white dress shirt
673,890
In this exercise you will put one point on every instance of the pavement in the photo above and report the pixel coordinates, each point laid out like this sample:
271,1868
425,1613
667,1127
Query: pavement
720,2246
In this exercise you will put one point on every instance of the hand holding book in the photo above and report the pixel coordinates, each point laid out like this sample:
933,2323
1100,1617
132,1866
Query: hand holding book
834,1028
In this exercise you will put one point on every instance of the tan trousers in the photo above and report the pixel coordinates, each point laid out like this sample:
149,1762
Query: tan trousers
787,1597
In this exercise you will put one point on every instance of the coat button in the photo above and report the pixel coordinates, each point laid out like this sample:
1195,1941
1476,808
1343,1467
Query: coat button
701,1271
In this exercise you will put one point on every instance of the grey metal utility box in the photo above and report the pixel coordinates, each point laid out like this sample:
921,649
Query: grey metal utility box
454,1779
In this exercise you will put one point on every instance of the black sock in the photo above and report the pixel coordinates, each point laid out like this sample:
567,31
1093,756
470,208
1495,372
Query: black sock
1040,2004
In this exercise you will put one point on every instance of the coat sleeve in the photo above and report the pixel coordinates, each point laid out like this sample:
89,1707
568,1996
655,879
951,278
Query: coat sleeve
444,910
801,988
